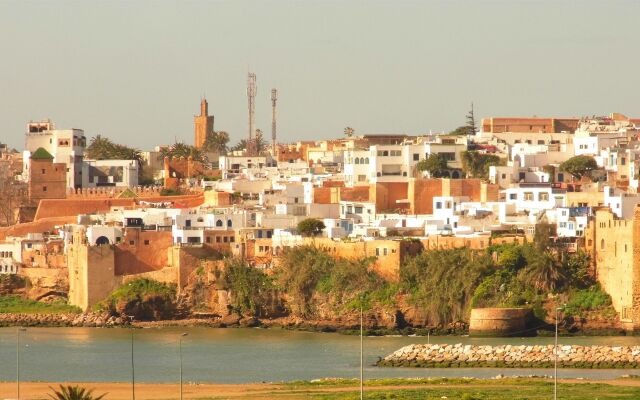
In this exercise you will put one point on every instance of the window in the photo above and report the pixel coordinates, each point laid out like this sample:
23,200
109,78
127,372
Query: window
358,210
208,239
219,222
132,242
448,156
504,176
217,239
146,242
623,161
542,196
362,178
513,196
225,239
562,224
540,141
377,251
357,161
233,239
229,223
44,188
416,157
385,251
43,171
438,205
602,244
528,196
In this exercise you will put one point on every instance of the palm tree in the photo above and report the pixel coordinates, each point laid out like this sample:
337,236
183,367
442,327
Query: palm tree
179,149
544,271
74,393
101,148
217,142
349,131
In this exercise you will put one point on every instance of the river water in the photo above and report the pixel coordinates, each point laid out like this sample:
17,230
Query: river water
236,355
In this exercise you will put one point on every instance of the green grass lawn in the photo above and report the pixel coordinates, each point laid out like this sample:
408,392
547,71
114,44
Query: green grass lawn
18,305
457,388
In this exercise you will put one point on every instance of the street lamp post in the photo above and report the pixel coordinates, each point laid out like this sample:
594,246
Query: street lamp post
555,361
133,371
361,358
180,356
18,330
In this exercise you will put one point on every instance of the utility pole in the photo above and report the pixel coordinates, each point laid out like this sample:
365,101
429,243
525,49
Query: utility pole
180,355
361,358
274,98
133,371
251,96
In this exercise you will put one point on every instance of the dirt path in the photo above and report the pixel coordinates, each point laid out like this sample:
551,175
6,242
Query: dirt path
122,391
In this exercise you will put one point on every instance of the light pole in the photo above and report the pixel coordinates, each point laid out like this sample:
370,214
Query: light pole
555,361
18,330
180,356
133,371
361,358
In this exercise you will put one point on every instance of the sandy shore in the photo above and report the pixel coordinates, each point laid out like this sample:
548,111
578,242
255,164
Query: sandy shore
122,391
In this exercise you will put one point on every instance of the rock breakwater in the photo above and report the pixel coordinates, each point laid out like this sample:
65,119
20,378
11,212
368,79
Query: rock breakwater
510,356
93,319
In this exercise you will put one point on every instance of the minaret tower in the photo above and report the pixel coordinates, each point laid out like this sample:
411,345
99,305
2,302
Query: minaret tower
203,124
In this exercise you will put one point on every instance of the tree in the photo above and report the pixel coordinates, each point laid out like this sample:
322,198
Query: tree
310,227
471,122
579,166
460,131
476,164
260,143
101,148
179,149
543,271
13,194
349,131
73,393
216,142
250,289
435,165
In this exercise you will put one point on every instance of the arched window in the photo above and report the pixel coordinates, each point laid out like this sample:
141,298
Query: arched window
385,153
357,160
229,223
361,160
366,160
200,219
602,244
219,222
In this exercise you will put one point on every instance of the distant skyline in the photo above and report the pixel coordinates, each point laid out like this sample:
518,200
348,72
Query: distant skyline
135,71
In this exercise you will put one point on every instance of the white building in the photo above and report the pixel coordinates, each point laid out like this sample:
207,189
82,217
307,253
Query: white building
118,173
65,145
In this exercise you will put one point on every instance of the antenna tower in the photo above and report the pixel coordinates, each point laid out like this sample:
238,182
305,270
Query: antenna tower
251,95
274,98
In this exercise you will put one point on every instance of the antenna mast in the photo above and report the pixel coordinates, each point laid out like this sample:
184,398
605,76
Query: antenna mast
251,95
274,98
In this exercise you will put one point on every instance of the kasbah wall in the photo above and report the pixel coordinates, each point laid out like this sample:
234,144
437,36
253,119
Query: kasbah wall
142,251
91,272
614,247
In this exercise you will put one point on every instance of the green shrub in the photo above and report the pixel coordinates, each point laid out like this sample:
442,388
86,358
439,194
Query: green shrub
18,305
140,288
591,299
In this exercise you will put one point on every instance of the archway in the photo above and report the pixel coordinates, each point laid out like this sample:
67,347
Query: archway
102,240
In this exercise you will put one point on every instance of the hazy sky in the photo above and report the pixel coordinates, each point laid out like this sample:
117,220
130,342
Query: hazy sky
135,70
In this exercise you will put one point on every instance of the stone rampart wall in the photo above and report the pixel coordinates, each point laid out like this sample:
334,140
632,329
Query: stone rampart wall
538,356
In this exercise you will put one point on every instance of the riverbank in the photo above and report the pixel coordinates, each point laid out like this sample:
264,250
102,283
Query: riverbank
522,388
50,320
512,356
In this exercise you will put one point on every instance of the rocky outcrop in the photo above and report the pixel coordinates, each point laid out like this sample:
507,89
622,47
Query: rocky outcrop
538,356
92,319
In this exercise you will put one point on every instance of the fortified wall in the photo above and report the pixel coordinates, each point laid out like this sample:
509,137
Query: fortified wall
614,247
